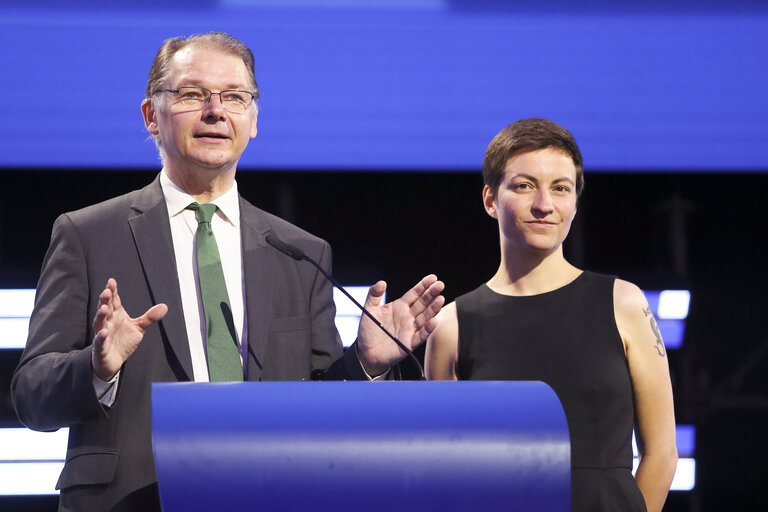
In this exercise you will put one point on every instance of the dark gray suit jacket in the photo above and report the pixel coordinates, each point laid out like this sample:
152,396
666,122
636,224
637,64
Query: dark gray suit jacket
290,322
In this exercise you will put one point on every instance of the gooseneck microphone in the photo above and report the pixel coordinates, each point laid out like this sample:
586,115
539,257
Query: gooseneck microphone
298,255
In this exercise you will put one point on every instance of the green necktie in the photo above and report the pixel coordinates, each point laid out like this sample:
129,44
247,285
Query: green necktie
223,353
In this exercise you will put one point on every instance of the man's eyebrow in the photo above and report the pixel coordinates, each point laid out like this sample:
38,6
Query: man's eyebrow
196,82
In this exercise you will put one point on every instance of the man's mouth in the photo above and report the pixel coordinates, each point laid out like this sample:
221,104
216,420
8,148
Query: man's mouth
210,136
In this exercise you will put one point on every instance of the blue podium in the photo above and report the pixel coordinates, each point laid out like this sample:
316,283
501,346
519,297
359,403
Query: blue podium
354,446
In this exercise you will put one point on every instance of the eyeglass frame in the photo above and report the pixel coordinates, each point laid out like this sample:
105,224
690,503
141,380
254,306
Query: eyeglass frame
209,95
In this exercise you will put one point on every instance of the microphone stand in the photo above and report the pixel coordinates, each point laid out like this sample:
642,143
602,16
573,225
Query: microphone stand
298,255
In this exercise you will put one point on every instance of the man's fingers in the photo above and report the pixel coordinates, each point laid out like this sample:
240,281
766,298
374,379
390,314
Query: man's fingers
429,327
434,290
99,338
414,293
101,316
105,301
153,314
107,296
427,297
421,287
112,285
426,319
375,293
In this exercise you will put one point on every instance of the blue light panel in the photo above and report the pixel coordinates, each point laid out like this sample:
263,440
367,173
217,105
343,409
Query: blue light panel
350,84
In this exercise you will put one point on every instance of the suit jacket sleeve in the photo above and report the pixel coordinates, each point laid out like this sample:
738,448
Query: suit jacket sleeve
325,335
291,314
326,363
52,386
346,367
328,359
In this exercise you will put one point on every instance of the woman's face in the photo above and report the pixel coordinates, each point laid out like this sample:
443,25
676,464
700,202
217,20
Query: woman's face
536,200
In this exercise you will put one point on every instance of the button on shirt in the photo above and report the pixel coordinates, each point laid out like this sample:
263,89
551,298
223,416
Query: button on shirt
226,228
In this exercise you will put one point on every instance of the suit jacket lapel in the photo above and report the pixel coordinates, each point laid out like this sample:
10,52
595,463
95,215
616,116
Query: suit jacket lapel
152,235
257,262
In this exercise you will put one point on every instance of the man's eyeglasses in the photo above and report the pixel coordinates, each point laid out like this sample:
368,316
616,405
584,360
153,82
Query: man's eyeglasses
195,98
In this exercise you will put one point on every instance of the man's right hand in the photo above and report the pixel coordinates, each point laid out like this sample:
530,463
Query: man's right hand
117,334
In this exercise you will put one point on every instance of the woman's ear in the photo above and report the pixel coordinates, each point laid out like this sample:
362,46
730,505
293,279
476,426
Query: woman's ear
489,202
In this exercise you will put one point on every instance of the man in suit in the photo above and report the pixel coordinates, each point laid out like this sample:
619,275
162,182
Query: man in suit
89,364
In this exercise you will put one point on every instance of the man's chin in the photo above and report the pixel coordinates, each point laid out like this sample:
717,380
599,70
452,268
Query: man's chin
214,159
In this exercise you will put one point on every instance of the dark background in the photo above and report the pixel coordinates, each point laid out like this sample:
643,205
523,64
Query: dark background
701,231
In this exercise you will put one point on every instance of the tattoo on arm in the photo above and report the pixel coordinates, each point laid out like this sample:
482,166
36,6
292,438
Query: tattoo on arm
655,328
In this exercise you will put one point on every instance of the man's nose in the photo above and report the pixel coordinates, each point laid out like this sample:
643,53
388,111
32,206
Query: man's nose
214,105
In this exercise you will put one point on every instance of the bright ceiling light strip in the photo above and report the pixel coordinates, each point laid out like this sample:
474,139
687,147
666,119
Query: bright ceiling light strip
347,327
16,306
685,438
29,478
347,314
346,307
35,478
685,473
673,304
22,444
13,332
16,302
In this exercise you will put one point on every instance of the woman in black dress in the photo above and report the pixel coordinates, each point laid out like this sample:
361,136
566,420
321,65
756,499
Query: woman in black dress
591,337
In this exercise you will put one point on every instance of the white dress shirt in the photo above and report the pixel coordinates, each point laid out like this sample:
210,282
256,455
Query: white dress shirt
226,228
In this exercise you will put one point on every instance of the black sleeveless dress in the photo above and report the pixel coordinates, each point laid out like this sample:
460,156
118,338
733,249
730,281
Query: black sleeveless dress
567,338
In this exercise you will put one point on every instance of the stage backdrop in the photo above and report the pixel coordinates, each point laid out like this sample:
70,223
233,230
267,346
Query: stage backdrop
416,84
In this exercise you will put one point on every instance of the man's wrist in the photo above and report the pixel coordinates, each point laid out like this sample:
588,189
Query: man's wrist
102,374
371,373
105,390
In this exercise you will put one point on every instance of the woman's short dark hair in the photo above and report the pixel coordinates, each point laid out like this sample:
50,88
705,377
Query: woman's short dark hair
529,135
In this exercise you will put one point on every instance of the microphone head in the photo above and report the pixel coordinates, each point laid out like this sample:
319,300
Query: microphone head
289,250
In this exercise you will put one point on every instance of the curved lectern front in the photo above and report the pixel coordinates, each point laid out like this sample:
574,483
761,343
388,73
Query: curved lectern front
360,446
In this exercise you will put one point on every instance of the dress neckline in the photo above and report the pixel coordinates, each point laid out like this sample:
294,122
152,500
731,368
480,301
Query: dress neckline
561,288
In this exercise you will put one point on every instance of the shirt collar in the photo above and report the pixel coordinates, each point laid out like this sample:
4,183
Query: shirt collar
176,200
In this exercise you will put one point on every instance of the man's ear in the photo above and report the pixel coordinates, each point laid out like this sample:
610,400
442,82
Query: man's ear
150,116
489,202
253,125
